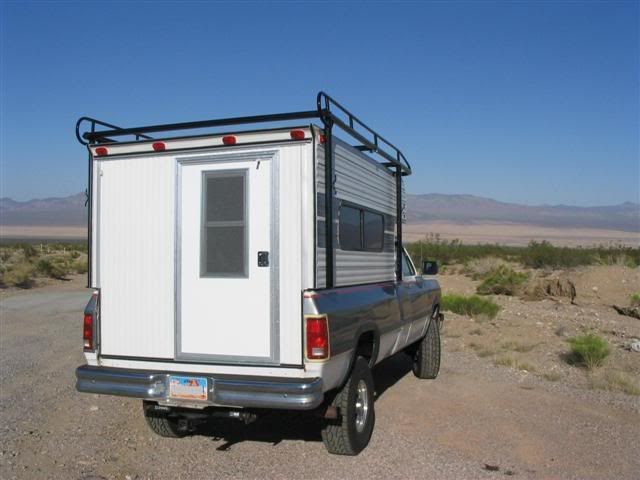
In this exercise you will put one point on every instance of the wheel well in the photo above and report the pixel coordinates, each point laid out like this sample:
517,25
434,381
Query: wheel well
367,347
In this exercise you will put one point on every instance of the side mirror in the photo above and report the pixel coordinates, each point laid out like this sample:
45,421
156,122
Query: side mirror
429,267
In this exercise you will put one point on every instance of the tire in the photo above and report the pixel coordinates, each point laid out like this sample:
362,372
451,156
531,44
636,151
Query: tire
351,432
426,359
164,425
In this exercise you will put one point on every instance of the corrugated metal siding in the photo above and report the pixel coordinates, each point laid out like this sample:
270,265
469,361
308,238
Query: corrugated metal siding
362,181
135,255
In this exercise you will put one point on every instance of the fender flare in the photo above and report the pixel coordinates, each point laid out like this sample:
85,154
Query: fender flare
366,328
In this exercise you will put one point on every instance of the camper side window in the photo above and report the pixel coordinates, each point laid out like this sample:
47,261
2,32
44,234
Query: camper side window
361,229
223,236
350,231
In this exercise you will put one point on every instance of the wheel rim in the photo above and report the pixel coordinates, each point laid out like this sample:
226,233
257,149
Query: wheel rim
362,405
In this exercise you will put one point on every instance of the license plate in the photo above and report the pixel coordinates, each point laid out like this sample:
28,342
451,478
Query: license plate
189,388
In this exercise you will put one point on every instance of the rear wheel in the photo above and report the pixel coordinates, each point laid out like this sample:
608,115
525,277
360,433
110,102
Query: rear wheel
351,432
426,359
164,424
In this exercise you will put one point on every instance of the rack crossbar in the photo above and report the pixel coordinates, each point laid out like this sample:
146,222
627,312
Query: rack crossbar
368,138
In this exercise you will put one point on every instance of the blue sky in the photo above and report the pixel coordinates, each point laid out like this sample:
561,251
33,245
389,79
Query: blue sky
531,102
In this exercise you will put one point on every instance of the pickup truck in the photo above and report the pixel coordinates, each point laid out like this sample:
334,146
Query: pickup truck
228,279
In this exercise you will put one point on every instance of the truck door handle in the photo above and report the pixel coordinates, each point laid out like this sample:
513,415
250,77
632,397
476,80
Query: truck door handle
263,259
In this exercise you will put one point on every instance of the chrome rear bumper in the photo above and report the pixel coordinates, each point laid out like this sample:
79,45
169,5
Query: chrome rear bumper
223,390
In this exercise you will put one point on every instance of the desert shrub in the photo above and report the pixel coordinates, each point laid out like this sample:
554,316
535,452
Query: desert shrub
20,275
589,350
448,252
53,268
634,299
540,255
617,258
79,265
502,281
470,306
28,250
544,255
479,268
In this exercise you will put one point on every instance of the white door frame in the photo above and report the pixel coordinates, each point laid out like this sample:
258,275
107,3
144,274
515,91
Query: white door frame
214,158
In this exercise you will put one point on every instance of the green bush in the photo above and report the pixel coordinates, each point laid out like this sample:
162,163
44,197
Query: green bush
28,250
79,265
19,275
589,350
469,306
502,281
448,252
634,300
535,255
53,268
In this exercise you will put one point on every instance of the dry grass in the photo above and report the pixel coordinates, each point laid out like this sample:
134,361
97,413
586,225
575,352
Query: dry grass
552,376
518,347
615,381
514,362
482,350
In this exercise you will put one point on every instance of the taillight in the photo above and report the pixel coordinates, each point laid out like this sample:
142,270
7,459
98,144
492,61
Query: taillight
317,338
87,331
297,134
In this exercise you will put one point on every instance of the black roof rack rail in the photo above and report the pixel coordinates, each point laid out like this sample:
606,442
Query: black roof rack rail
328,110
377,144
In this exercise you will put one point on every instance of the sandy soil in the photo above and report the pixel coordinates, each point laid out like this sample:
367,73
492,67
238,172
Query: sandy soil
513,234
532,335
474,414
51,233
505,233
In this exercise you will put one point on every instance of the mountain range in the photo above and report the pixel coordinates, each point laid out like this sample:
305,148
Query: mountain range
462,209
469,209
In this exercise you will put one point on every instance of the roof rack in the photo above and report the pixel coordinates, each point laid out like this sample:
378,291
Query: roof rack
328,110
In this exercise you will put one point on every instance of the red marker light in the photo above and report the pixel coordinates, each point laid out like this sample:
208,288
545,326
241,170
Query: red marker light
229,140
297,134
101,151
159,146
322,138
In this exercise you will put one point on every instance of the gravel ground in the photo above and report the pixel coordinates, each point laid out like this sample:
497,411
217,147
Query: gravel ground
473,415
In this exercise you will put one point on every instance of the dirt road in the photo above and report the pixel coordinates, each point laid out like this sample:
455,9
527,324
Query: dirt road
473,414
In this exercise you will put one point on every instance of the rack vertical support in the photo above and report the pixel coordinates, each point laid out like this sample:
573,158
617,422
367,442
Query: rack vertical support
398,176
328,202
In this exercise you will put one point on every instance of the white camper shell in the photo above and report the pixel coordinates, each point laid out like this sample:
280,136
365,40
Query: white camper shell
227,278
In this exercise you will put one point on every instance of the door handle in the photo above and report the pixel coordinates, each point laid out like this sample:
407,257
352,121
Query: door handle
263,259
